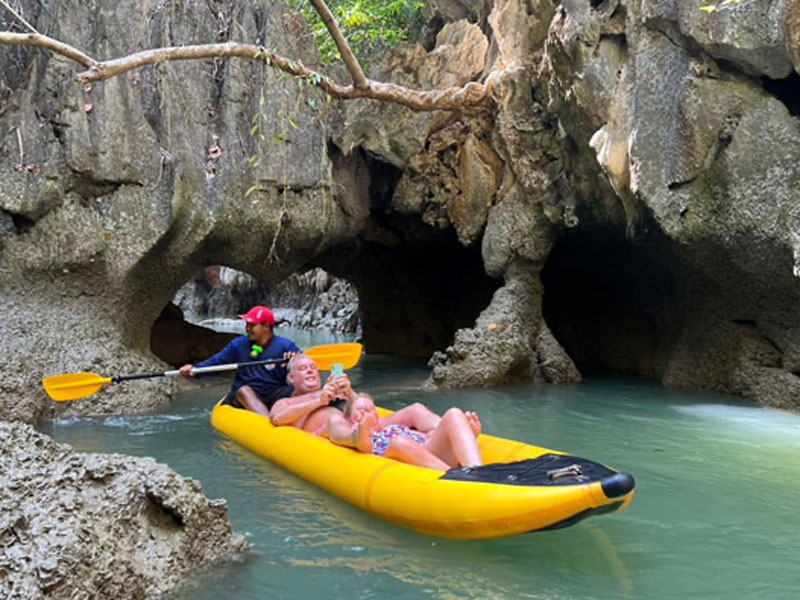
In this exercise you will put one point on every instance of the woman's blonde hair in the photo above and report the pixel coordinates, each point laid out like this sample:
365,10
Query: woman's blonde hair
348,408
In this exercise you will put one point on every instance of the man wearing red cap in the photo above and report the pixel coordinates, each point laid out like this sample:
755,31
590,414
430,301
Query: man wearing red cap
258,387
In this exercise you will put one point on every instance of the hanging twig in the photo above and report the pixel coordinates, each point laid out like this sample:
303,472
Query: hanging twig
19,17
21,149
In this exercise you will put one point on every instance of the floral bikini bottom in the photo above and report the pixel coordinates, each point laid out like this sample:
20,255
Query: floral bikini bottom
381,438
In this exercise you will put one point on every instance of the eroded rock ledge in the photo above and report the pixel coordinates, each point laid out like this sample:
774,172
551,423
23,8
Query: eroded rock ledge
76,525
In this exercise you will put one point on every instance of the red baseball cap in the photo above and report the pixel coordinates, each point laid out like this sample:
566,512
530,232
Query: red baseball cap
259,314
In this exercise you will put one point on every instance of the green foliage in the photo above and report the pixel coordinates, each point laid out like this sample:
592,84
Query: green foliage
714,5
367,24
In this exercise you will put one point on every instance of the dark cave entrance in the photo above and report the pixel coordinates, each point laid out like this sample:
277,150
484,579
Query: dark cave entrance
609,303
786,90
415,296
416,293
417,284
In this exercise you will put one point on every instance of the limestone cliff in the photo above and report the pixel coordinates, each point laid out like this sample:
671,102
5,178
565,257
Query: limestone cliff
630,203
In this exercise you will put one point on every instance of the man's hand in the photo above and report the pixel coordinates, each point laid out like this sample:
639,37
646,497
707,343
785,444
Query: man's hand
186,370
327,394
344,388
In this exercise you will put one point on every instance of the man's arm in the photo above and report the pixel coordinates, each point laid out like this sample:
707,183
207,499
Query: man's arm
287,411
224,356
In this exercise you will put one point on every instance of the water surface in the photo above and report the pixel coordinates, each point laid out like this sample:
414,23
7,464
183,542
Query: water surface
715,515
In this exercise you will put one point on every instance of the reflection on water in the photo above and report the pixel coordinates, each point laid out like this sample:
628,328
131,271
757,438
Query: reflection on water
714,515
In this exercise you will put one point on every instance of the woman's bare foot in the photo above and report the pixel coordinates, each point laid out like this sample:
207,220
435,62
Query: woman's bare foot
364,431
474,422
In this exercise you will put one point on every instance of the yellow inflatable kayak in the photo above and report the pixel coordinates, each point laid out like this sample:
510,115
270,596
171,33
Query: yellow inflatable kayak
524,489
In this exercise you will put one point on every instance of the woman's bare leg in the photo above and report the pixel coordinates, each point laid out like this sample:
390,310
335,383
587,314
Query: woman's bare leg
416,416
454,441
407,450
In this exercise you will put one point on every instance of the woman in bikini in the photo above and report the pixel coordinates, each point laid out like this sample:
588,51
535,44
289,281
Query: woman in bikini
413,434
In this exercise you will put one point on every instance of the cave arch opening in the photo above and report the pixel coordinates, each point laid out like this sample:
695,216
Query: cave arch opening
610,303
417,283
313,307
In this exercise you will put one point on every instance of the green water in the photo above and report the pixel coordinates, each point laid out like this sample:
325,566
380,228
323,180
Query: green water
715,514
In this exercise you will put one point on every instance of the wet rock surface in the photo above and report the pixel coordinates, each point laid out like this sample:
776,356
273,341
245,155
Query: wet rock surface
76,525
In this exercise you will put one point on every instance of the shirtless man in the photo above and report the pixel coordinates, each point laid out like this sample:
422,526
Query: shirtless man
312,404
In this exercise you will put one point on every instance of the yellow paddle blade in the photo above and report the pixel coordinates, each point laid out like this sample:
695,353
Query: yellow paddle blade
73,385
347,355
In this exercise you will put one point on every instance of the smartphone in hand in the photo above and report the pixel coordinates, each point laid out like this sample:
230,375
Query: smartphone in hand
337,370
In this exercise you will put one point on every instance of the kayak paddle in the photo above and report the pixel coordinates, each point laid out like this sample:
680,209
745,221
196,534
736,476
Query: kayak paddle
73,386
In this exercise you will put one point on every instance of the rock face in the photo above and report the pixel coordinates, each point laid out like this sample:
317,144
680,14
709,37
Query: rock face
311,300
630,203
700,146
137,184
91,525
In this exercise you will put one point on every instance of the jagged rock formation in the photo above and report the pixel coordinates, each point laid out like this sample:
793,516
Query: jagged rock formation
677,257
630,203
696,131
311,300
136,184
78,525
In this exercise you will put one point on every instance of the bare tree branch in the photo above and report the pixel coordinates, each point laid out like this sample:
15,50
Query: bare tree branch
111,68
37,39
471,98
353,66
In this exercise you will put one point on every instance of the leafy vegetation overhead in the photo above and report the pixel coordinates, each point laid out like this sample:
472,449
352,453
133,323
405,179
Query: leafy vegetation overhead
367,24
